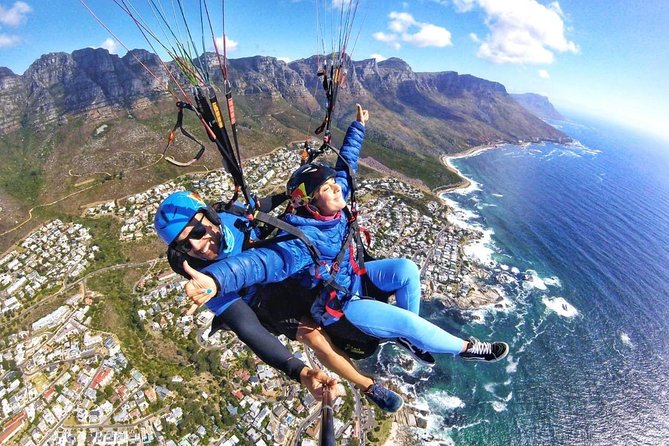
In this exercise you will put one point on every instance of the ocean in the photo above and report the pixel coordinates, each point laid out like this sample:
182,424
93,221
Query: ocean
577,239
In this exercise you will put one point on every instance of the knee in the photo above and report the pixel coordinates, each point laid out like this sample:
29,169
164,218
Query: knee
312,336
409,267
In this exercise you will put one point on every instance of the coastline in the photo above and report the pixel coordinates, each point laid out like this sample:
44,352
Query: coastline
480,295
464,181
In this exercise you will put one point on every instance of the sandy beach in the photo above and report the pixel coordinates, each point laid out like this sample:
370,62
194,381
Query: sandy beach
464,182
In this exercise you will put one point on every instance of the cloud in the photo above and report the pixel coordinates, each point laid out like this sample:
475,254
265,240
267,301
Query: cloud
7,40
405,28
430,35
16,15
390,39
474,38
231,45
284,59
544,74
400,21
463,5
521,31
110,45
378,57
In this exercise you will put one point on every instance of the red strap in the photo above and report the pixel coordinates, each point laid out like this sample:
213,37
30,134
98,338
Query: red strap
332,311
368,236
356,269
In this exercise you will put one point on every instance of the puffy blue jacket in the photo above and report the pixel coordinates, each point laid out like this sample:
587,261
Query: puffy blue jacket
291,258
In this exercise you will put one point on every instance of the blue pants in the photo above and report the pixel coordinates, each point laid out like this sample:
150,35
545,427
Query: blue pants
388,321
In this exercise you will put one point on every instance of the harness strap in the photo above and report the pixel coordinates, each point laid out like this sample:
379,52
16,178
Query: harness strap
332,300
333,305
171,137
290,229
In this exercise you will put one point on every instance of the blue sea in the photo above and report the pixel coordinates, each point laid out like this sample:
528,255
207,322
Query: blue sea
580,235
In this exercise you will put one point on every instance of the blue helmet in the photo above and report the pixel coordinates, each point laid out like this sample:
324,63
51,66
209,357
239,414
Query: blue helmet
175,212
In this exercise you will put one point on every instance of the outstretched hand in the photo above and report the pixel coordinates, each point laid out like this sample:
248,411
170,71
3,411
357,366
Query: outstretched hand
315,380
200,288
362,115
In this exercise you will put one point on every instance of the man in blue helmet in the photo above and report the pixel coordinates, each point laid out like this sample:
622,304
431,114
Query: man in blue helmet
198,234
207,235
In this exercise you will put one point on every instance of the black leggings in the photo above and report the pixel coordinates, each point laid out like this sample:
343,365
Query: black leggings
241,319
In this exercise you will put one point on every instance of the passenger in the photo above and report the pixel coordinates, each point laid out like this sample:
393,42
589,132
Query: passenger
198,233
318,195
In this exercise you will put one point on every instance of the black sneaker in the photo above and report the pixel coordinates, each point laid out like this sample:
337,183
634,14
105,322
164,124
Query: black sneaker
386,399
485,351
418,354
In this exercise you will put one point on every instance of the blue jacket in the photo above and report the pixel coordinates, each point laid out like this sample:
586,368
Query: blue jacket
291,258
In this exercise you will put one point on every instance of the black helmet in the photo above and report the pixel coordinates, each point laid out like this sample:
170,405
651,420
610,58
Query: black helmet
306,180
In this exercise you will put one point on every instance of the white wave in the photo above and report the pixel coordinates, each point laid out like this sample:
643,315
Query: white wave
440,400
511,365
550,154
498,406
485,205
532,280
481,250
441,442
570,154
626,339
459,216
560,306
497,195
583,148
515,270
553,281
478,316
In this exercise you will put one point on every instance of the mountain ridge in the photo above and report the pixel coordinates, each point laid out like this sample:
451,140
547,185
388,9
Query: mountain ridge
538,105
71,116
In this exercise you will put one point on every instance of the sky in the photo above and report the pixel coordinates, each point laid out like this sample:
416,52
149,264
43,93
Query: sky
608,58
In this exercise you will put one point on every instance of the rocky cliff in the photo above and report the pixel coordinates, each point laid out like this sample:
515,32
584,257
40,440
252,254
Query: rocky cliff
433,111
538,105
61,85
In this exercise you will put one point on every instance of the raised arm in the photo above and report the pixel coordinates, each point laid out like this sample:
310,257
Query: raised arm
350,149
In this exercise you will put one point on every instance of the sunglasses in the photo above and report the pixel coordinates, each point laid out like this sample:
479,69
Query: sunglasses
198,231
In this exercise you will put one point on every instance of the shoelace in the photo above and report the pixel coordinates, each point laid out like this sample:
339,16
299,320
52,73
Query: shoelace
480,348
